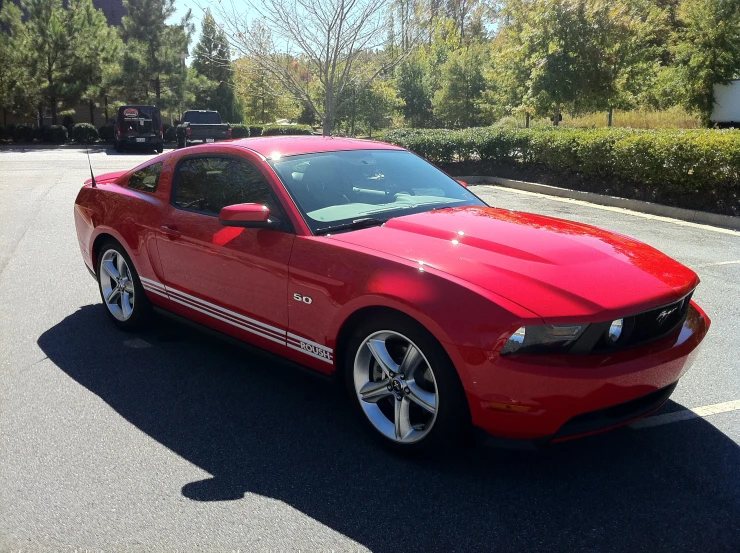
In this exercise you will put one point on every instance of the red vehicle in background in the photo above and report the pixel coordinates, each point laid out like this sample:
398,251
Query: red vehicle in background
358,259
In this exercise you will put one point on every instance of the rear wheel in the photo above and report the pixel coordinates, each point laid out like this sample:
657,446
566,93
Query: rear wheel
405,386
120,288
160,148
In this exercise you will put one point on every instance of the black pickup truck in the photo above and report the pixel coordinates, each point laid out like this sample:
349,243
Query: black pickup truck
200,126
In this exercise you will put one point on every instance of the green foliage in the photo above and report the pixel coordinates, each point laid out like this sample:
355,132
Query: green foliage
170,133
22,132
458,101
706,50
84,133
105,132
212,60
240,130
152,67
274,130
56,134
414,91
678,161
17,88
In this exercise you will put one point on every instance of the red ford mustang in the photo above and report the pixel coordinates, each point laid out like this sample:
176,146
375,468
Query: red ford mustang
361,260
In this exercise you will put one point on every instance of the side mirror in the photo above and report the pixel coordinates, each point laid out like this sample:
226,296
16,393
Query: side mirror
247,216
463,183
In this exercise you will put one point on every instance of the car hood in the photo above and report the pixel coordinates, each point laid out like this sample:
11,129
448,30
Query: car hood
558,269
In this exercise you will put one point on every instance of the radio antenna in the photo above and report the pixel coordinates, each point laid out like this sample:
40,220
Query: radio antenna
94,184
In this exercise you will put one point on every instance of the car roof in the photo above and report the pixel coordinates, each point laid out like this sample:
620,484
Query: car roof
269,146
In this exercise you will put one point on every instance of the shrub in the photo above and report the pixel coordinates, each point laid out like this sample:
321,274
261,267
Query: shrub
255,130
4,133
38,133
22,133
55,133
170,133
675,162
84,133
239,130
274,130
105,132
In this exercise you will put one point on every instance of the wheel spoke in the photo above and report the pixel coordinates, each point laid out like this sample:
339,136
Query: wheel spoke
381,355
422,398
411,361
111,269
402,421
121,263
112,296
374,391
126,305
129,287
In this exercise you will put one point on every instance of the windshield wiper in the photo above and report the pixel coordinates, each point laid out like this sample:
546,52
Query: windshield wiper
354,225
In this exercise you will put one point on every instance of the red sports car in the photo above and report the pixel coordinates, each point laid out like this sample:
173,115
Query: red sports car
359,259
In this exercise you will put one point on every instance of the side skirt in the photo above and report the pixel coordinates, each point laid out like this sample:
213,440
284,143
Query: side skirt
244,345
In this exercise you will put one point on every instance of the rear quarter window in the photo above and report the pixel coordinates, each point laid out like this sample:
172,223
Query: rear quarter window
146,179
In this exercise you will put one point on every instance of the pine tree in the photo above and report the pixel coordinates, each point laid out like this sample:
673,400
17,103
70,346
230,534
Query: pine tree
154,58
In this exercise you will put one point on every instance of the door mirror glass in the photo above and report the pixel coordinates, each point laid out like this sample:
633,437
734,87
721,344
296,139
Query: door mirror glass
247,215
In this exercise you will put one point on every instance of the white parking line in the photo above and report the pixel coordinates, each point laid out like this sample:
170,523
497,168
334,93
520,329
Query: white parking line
687,414
617,210
718,263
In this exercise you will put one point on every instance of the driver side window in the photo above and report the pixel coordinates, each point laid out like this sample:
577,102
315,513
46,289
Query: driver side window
208,184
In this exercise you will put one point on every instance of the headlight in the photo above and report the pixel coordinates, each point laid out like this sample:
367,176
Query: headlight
615,331
543,339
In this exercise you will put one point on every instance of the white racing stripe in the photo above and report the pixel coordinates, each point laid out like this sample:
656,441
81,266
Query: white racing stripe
240,321
686,414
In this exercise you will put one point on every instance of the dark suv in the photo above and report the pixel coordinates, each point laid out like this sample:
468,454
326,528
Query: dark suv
138,126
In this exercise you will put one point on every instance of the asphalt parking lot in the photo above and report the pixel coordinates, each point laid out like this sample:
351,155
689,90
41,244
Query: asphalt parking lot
175,441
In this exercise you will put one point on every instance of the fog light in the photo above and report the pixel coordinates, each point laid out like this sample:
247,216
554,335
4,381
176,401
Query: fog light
615,331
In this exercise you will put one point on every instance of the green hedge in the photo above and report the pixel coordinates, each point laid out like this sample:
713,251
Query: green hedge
54,133
170,133
239,130
84,133
678,161
274,130
255,130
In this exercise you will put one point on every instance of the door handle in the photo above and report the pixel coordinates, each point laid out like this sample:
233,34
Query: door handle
171,232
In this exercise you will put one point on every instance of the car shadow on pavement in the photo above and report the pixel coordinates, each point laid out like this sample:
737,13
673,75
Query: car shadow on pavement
260,427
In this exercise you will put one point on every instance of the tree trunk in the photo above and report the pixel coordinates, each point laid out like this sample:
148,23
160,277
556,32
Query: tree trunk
105,100
609,116
92,111
556,118
41,114
526,120
158,88
328,122
53,102
5,117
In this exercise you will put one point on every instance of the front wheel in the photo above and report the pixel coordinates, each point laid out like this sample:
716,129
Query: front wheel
405,386
120,288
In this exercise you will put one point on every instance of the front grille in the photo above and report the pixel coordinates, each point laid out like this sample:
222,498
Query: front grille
639,329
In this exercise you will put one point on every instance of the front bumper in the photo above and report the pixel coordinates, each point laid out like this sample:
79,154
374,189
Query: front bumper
557,397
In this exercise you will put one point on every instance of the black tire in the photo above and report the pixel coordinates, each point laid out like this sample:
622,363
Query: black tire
452,425
118,146
141,314
160,148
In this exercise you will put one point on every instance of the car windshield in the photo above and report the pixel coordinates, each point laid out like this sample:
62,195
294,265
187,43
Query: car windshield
336,188
202,117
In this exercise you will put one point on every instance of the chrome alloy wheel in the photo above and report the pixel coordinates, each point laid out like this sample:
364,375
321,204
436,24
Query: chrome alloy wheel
396,387
117,285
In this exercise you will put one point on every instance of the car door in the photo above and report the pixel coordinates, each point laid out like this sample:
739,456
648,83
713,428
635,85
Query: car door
230,278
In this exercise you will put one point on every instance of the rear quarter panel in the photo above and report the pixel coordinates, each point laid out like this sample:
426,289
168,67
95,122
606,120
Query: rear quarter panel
130,216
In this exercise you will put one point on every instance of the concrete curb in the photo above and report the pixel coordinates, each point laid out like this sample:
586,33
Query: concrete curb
690,215
20,147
